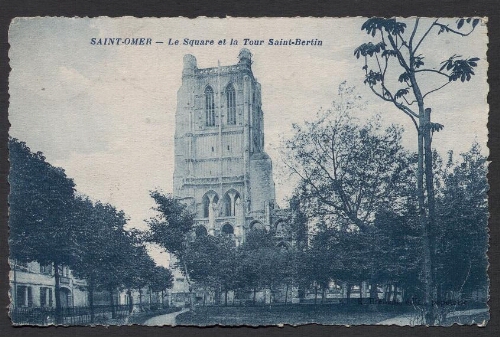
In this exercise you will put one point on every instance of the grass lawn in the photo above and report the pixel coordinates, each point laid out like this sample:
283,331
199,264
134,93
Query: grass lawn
290,314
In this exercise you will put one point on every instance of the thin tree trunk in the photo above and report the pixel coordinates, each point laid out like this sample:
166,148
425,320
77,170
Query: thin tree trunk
426,220
218,295
270,295
112,302
348,293
130,301
286,294
57,293
254,295
373,290
429,179
91,299
315,294
429,222
225,298
191,295
361,293
204,296
140,298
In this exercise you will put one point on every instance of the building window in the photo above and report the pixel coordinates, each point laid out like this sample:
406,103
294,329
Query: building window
207,203
209,107
231,105
230,201
24,296
257,226
45,297
46,269
227,229
22,265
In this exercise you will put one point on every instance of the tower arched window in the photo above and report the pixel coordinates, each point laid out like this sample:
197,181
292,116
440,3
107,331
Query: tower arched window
230,202
231,105
209,107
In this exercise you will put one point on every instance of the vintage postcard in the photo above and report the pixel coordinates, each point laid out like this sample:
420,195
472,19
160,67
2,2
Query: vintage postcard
248,171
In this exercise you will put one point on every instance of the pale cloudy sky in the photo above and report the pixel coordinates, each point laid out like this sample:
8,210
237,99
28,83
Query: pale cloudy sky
106,113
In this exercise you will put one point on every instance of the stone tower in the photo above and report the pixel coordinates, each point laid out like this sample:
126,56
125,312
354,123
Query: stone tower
221,169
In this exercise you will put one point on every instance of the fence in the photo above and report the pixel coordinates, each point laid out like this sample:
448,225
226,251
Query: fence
69,316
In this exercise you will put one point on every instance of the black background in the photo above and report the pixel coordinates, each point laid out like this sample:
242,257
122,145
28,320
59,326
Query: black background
217,8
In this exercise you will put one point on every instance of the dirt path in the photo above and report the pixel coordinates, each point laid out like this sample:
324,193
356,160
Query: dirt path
167,319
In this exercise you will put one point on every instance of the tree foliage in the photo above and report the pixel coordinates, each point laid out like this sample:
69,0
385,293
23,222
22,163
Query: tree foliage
172,226
41,205
51,224
398,48
397,53
347,171
461,260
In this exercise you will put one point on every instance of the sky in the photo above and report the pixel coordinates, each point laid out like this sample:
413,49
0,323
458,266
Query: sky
106,113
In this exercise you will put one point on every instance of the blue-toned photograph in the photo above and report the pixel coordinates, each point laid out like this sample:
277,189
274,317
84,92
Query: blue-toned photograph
248,171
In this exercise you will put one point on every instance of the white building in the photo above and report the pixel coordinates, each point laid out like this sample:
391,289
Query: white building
33,285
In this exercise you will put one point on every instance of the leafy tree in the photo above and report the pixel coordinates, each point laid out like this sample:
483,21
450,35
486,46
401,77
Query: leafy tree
347,171
201,258
160,280
299,223
462,207
288,272
119,260
321,260
41,204
109,257
90,244
228,270
396,252
172,229
257,244
396,72
345,256
140,269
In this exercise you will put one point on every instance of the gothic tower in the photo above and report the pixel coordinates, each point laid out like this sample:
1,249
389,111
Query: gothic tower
221,169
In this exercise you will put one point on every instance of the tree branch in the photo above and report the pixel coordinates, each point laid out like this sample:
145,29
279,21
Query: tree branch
409,103
448,29
400,57
444,85
432,71
400,106
379,95
425,35
410,43
403,42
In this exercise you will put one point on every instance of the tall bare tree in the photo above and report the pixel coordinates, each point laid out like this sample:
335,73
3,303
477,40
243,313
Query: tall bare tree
395,71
